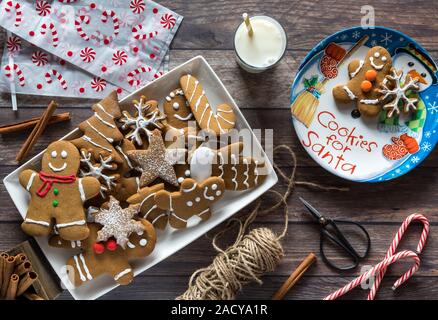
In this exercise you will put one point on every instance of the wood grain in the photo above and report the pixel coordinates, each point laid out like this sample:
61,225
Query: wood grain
207,30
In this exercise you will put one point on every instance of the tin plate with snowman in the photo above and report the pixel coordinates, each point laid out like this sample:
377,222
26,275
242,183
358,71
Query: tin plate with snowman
365,104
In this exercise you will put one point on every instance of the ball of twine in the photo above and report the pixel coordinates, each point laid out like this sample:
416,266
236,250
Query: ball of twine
251,255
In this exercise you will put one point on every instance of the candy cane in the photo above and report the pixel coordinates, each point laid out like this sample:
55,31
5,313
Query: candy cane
142,36
391,257
67,1
54,33
54,73
116,23
392,249
18,14
17,71
78,24
381,265
131,76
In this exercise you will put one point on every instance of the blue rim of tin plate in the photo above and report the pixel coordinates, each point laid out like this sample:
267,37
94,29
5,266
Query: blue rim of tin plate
391,40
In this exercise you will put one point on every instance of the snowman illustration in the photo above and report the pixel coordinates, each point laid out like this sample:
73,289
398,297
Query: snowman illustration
418,65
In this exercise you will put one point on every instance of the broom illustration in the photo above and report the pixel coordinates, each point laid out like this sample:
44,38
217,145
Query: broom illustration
304,106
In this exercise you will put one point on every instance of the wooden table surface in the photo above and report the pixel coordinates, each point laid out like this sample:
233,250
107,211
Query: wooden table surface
207,30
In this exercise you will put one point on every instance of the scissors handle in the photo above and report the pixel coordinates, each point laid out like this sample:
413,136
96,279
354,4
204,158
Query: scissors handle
331,232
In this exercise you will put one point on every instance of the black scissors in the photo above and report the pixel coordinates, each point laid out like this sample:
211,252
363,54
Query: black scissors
331,231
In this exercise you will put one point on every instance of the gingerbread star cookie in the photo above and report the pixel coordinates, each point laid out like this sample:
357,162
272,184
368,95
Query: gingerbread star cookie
153,162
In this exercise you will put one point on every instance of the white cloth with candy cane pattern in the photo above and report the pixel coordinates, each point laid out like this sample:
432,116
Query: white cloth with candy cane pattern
117,44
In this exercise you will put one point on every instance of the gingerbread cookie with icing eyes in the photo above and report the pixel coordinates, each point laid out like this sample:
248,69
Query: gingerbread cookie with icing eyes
366,76
57,194
106,258
148,208
100,130
177,109
219,121
192,199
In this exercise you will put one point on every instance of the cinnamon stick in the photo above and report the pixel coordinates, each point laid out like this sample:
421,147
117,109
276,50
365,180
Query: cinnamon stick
11,292
295,276
23,268
26,282
32,296
3,257
7,272
36,132
20,258
30,123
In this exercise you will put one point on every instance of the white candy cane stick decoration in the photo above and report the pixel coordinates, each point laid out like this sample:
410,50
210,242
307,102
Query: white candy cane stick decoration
116,23
392,249
53,31
136,30
78,24
67,1
132,80
12,5
55,74
18,72
381,265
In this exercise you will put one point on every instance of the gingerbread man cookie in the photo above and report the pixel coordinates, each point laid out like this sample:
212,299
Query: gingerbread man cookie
100,130
192,199
220,122
99,258
57,194
148,208
366,77
177,109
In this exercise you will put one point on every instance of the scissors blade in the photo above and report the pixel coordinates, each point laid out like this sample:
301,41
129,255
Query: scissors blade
315,213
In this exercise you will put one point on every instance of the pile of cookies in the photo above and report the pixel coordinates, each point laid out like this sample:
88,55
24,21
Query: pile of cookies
375,86
105,193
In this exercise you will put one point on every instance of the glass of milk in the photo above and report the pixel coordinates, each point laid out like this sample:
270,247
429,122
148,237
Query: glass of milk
263,49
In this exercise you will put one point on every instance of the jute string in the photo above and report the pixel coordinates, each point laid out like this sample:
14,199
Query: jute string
251,255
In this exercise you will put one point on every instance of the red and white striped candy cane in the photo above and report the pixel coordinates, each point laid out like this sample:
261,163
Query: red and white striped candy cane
115,19
18,72
136,30
12,5
392,249
55,74
381,265
54,33
132,80
67,1
78,24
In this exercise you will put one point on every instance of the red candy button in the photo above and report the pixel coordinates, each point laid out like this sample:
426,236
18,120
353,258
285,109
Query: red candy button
98,248
111,245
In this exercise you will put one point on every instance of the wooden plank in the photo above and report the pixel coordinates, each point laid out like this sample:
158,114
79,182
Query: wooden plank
301,239
308,288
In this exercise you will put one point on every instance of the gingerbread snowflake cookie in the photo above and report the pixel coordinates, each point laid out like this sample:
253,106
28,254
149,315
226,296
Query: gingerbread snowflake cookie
192,199
365,77
395,93
147,117
117,222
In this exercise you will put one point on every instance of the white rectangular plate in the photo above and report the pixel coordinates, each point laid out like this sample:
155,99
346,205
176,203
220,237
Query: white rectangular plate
170,240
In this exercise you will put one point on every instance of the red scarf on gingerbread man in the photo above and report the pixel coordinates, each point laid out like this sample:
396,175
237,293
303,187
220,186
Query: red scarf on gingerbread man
49,179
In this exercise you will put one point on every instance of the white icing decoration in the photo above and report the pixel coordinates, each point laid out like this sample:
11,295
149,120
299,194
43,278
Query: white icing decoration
150,210
97,171
30,182
355,72
256,172
369,101
221,164
211,198
384,58
57,169
143,242
125,156
158,217
54,154
201,164
140,232
87,272
43,223
376,54
180,179
187,173
73,244
188,117
110,140
88,139
189,204
246,173
172,95
78,267
168,98
197,199
233,168
64,154
175,105
179,218
82,191
203,212
190,189
104,121
123,273
104,111
218,193
194,90
69,224
130,245
375,66
214,186
349,92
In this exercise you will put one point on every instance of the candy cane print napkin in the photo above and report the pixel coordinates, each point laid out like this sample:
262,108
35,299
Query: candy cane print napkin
123,42
42,73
